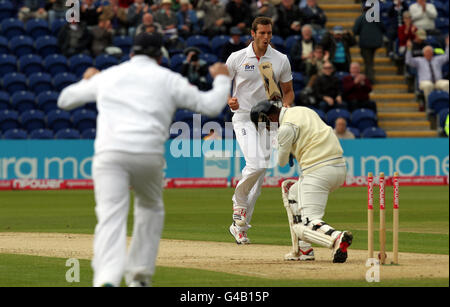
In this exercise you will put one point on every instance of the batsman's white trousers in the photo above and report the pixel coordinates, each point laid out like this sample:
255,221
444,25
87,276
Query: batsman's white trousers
255,145
314,188
113,174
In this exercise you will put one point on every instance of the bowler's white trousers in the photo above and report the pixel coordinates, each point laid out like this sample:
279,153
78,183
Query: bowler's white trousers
113,174
256,147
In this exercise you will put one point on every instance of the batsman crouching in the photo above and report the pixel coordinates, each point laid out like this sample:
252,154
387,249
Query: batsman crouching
306,137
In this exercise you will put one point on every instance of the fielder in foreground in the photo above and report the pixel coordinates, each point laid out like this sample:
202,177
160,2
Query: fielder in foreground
304,135
136,102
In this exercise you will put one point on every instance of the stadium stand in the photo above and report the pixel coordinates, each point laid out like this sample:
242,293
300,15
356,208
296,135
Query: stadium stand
41,134
15,134
67,134
23,101
32,119
14,82
30,64
46,101
58,120
9,119
40,82
373,132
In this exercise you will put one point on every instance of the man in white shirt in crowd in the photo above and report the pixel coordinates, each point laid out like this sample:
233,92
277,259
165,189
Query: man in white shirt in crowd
246,67
423,15
136,102
304,135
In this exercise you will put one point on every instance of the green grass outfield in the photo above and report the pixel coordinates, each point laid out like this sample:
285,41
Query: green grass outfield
205,214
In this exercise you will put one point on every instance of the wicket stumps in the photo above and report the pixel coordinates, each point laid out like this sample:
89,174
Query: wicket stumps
382,230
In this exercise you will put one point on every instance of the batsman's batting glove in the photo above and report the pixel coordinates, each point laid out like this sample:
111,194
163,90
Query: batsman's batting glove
291,160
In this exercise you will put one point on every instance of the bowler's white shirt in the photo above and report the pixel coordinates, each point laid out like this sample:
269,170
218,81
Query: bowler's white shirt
248,86
136,102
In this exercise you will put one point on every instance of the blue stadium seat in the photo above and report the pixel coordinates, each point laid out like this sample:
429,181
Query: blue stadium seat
298,81
433,41
342,74
199,41
32,119
4,100
209,58
60,81
12,27
165,62
46,101
37,27
355,132
442,24
291,41
41,134
46,45
334,114
246,38
40,82
278,42
363,119
8,64
104,61
14,82
21,45
30,64
84,119
217,43
56,26
59,119
373,132
124,43
79,63
176,62
9,119
15,134
6,10
438,100
23,101
89,134
55,64
4,49
124,58
67,134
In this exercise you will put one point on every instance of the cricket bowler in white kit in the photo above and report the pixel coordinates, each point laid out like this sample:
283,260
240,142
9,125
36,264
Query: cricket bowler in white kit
257,70
136,103
304,135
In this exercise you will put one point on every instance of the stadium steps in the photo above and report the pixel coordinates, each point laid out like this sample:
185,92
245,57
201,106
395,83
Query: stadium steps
398,110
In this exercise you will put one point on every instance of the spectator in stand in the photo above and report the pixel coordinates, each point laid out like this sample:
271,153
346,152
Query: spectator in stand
338,43
314,65
147,21
340,129
56,10
188,23
356,90
429,69
134,15
216,18
118,17
370,39
233,45
32,9
289,19
167,18
327,89
314,16
90,13
102,36
241,14
74,38
396,19
264,8
303,49
194,68
407,31
125,3
423,15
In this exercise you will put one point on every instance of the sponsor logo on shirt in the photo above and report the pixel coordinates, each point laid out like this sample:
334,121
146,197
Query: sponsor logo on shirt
248,67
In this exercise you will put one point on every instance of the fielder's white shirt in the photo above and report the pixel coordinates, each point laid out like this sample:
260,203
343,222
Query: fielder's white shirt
248,85
136,101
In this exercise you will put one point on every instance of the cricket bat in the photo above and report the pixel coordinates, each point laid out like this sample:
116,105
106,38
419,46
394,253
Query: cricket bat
272,90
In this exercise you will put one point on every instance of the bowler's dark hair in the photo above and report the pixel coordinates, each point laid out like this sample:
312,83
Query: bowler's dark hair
261,21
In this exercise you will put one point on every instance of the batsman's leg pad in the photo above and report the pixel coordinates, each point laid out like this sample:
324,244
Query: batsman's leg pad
317,232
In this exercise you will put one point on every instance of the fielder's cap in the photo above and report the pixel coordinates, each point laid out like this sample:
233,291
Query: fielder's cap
421,34
235,31
148,43
338,30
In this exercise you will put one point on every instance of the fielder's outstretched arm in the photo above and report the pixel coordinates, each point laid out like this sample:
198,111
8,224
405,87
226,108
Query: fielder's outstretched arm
80,93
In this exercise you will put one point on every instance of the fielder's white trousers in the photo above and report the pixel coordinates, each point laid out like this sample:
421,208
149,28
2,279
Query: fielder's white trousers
255,145
113,174
314,188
